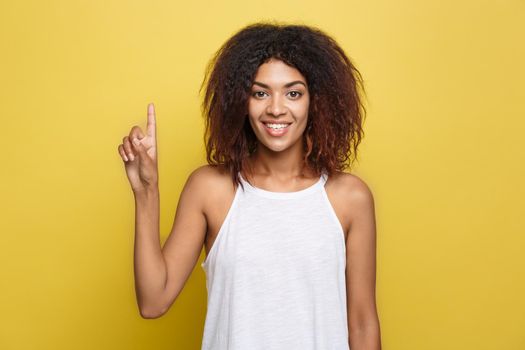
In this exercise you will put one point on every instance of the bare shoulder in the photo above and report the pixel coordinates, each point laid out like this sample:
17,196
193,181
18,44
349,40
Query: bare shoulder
209,174
354,192
210,183
352,185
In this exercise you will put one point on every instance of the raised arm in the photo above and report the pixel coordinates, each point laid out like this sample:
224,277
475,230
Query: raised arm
160,273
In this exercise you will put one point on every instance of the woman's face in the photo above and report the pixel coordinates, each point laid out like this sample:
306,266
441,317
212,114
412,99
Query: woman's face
278,105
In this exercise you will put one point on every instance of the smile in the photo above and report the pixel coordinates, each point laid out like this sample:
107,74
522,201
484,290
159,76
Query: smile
275,129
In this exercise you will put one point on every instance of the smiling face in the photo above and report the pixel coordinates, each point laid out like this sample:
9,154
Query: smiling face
278,106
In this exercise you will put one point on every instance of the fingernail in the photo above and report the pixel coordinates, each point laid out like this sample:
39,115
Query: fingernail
135,141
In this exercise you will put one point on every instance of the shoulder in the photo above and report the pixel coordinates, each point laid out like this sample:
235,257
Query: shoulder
208,172
354,192
209,176
209,182
352,186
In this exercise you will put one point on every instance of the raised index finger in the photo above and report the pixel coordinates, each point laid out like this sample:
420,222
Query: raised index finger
152,125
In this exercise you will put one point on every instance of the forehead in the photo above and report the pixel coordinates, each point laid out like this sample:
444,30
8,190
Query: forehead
276,72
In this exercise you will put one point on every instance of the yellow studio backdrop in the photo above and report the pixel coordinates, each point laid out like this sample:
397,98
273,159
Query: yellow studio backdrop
443,154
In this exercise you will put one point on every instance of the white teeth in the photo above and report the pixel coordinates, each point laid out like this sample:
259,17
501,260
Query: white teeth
277,126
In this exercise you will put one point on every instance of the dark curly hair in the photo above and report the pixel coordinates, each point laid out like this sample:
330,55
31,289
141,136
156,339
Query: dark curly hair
336,112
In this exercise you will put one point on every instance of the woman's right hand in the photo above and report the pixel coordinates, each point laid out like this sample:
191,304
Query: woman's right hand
140,159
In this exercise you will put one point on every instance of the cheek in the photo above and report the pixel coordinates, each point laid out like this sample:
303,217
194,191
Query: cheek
301,108
254,108
301,112
252,123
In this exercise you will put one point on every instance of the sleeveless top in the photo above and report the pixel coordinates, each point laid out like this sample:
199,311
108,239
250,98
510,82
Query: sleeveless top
275,274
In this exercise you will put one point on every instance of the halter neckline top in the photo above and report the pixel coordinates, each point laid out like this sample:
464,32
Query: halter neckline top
275,274
283,195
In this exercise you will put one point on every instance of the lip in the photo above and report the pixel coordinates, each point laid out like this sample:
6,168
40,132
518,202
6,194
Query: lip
275,122
273,132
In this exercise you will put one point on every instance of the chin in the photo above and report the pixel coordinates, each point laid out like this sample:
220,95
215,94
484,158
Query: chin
277,145
275,148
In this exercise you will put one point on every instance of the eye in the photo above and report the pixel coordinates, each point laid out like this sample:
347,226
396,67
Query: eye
258,94
296,94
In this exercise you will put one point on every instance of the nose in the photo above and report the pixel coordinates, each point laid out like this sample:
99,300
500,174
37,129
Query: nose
276,106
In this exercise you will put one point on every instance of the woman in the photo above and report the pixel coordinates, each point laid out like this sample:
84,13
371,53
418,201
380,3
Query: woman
289,236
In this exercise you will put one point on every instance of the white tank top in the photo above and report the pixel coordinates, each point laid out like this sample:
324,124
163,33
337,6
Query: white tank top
275,275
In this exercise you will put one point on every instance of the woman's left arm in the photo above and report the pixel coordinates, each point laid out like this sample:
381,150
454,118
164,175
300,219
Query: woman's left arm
363,321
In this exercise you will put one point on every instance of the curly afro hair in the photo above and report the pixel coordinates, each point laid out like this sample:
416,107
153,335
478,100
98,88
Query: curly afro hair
336,113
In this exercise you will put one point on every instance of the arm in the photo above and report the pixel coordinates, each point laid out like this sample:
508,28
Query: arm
160,273
149,265
363,322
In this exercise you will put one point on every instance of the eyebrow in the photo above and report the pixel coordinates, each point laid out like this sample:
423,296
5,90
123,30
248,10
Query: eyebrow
285,85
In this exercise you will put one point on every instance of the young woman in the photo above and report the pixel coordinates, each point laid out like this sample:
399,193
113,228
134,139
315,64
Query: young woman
290,237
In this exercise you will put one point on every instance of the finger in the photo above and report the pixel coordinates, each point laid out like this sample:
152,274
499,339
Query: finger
140,149
152,122
122,153
128,148
136,132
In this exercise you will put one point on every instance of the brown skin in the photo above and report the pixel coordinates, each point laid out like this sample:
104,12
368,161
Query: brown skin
160,273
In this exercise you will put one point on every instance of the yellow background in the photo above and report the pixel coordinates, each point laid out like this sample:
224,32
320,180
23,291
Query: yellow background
443,154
